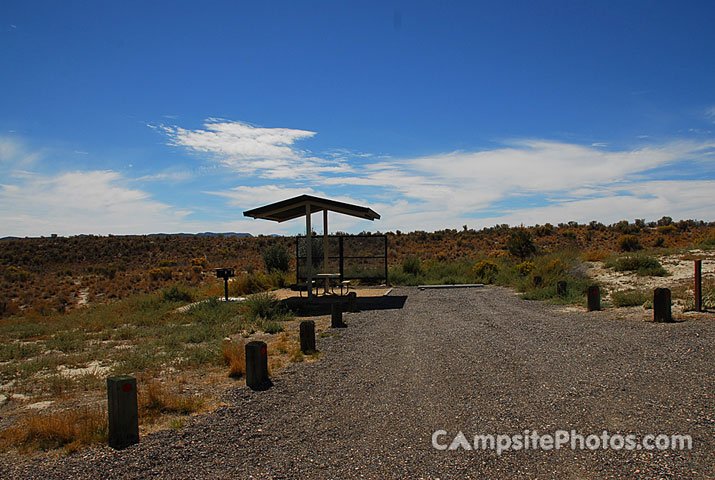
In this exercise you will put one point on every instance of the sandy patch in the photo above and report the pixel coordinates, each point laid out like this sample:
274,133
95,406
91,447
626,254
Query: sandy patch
680,268
93,368
40,405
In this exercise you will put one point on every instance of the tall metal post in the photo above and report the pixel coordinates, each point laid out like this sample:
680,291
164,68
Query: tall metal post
297,259
325,248
698,285
386,279
308,252
342,260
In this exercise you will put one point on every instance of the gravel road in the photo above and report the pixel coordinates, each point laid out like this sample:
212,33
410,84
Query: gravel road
480,361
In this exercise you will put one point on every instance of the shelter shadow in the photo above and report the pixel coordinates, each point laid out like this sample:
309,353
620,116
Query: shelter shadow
305,307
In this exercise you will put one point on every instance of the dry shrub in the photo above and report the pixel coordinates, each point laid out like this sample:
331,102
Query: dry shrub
629,243
155,400
234,356
595,255
69,428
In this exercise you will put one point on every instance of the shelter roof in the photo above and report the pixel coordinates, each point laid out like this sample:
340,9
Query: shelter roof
295,207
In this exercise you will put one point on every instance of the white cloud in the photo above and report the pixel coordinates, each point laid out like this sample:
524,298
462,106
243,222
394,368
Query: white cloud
95,202
268,152
650,200
13,154
250,197
171,176
710,113
576,183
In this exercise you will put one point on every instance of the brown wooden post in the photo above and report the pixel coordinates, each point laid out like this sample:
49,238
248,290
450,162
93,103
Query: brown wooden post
661,305
307,336
698,285
594,298
561,288
122,411
257,366
352,302
336,319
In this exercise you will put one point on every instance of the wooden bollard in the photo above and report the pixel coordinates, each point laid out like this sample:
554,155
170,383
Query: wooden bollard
698,285
122,412
307,336
661,305
336,319
538,280
257,366
561,288
352,302
594,298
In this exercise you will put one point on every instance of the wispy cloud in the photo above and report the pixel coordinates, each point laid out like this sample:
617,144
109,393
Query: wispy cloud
254,196
267,152
170,176
453,187
710,113
97,202
15,155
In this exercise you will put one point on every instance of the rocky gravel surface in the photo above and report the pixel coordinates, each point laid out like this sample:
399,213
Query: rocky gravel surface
480,361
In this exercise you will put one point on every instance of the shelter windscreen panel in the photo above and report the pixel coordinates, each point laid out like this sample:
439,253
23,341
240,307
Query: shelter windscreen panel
360,257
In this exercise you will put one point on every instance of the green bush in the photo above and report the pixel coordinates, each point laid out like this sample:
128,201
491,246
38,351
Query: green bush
629,243
575,292
708,243
485,271
265,306
176,293
641,264
520,244
249,283
272,327
630,298
525,268
412,266
276,258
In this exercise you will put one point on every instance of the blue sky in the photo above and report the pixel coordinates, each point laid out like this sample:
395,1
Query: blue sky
139,117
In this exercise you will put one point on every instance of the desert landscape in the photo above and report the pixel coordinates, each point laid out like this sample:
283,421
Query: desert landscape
99,309
357,240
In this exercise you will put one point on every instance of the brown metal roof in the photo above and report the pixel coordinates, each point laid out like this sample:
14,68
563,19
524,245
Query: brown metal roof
295,207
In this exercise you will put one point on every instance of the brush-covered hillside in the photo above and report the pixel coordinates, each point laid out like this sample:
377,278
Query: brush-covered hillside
56,274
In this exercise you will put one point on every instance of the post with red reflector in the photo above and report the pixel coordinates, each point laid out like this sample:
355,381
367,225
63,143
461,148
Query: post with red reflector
257,366
594,298
123,416
661,305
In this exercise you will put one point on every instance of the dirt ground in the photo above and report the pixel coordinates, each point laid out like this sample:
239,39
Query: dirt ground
680,268
479,361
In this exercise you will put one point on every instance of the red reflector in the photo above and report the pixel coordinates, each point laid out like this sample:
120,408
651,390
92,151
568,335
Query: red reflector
263,350
127,387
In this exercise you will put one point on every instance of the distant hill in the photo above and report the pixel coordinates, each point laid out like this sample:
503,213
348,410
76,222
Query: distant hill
202,234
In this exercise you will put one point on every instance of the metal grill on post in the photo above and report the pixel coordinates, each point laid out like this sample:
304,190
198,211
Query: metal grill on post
225,273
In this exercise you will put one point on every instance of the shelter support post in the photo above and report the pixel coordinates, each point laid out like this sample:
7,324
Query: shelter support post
325,248
308,253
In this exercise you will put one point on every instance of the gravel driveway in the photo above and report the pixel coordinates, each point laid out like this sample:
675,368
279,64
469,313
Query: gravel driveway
480,361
